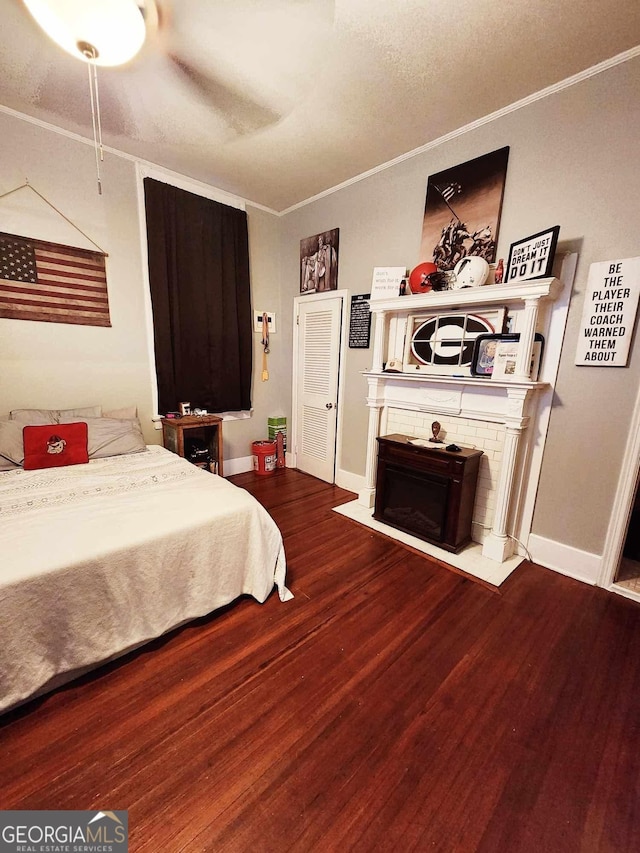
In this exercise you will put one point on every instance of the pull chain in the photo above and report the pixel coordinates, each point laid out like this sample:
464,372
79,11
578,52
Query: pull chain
91,54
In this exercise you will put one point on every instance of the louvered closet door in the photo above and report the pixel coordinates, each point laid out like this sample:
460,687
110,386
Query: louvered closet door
318,366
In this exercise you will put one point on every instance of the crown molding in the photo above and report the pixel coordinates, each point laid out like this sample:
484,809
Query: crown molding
145,165
581,76
594,70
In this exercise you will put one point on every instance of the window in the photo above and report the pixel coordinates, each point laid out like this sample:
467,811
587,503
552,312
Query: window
200,295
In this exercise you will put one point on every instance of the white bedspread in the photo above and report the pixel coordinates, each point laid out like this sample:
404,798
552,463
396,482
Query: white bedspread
96,559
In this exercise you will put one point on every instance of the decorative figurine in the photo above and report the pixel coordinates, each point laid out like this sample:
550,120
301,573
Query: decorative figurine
499,274
435,429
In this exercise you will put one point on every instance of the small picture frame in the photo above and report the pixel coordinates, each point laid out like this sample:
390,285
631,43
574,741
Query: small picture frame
184,408
493,355
319,262
532,257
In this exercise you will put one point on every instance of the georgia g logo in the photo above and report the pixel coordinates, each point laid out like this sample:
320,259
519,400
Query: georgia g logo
448,339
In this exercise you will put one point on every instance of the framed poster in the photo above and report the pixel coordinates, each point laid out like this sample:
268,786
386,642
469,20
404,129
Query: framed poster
462,210
319,262
533,256
609,313
360,321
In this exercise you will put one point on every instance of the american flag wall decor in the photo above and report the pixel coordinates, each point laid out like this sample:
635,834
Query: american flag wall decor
52,283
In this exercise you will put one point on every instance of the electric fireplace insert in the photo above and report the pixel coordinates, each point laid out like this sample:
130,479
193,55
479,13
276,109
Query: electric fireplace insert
426,490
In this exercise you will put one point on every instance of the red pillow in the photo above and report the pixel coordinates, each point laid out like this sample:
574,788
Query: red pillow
54,445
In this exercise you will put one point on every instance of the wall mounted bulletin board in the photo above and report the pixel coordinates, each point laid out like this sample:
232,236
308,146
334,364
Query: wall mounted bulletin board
609,313
360,321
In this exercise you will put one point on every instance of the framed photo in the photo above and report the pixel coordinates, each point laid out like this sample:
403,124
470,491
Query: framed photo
319,262
462,211
533,256
443,344
494,356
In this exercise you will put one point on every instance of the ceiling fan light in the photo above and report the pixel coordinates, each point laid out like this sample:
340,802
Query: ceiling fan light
115,28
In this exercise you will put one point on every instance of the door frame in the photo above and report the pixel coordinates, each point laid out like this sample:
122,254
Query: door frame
298,300
621,510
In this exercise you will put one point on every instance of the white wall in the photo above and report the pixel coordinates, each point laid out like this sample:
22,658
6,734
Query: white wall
48,365
53,364
273,397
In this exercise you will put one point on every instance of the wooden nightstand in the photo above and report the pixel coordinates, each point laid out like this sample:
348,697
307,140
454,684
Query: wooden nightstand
180,434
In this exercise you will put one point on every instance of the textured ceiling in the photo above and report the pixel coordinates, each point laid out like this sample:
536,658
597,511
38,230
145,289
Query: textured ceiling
279,100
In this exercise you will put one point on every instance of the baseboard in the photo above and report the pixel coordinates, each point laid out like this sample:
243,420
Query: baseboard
238,466
350,481
581,565
243,464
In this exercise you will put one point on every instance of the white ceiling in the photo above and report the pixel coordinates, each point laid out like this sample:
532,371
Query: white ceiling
288,98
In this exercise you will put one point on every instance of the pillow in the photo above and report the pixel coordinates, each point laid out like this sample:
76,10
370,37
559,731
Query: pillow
78,414
6,465
127,414
35,416
52,416
113,436
11,446
47,446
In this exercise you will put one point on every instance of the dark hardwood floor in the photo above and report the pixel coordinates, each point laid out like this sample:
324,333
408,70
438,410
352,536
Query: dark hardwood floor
393,705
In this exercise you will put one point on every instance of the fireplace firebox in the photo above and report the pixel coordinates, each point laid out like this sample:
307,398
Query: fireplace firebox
426,490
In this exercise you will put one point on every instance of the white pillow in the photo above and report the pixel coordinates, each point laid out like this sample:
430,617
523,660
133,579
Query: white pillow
34,417
6,465
111,436
126,414
11,444
86,412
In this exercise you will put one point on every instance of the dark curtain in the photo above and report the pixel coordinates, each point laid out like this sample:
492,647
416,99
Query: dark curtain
200,293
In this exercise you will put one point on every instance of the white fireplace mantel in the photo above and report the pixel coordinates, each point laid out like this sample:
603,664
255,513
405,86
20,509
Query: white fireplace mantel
510,403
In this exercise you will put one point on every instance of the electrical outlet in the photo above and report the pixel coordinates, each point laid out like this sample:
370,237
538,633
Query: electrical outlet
257,321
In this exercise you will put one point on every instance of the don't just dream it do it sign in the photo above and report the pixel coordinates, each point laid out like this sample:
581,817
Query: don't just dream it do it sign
533,256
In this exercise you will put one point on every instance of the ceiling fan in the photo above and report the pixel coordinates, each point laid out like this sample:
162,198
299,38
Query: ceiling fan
208,46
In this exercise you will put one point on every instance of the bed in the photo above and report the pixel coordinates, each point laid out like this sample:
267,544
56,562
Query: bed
102,557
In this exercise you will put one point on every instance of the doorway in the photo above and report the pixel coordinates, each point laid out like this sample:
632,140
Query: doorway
615,572
318,365
628,574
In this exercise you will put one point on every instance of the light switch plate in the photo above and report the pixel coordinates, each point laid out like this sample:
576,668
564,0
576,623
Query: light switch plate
257,321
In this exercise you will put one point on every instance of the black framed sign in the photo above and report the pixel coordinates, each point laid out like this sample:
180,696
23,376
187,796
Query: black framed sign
533,256
360,321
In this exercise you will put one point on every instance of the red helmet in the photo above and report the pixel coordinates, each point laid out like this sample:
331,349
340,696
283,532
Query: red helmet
419,278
